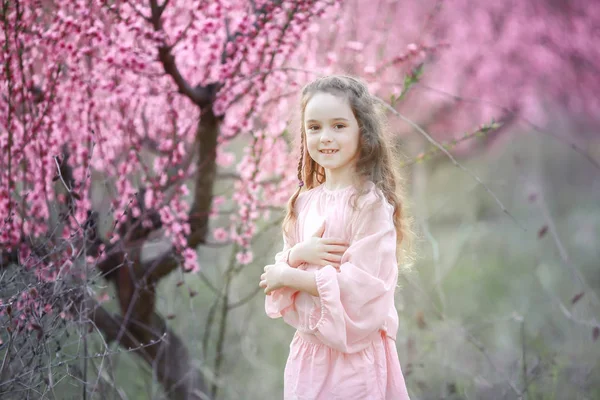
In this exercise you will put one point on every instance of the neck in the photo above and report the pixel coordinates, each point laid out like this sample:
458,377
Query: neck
335,179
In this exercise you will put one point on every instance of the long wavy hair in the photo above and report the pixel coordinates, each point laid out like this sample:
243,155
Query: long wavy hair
376,161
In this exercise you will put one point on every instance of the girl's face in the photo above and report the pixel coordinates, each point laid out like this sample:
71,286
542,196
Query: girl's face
332,133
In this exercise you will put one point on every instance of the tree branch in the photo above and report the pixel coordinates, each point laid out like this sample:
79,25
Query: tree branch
159,347
206,173
452,159
202,96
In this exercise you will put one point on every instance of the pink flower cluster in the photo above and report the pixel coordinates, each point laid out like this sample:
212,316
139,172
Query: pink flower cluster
25,310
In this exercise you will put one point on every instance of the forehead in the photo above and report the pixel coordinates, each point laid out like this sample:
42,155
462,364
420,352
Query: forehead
324,106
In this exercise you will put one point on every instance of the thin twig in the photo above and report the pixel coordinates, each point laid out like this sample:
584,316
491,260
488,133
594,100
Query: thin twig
8,346
456,163
519,116
561,248
60,174
524,355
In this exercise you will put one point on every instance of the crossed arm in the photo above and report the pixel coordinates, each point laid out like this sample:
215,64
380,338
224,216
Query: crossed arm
315,250
293,278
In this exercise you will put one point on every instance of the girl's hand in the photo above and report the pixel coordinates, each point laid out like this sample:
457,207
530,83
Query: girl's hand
318,250
273,277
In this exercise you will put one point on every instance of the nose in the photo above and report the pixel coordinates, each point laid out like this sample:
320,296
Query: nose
325,136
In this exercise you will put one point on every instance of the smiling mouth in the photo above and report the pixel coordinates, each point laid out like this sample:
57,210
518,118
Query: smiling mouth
328,151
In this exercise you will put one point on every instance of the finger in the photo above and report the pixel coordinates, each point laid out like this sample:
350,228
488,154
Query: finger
325,262
332,248
263,284
335,241
332,258
320,231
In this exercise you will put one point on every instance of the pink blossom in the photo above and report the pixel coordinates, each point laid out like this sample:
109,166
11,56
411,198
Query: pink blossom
354,45
190,262
369,69
244,257
218,200
102,297
225,159
220,234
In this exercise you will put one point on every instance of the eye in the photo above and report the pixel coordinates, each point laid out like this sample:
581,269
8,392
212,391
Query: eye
339,126
313,127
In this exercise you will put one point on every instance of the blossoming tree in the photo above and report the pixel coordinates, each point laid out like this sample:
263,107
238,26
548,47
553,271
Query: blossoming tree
145,95
126,109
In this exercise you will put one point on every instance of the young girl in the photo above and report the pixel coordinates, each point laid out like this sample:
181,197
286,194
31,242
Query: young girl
334,280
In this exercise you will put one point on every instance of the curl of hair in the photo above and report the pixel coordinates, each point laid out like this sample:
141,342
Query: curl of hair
376,161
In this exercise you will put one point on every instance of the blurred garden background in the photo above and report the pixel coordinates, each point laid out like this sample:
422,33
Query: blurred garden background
149,148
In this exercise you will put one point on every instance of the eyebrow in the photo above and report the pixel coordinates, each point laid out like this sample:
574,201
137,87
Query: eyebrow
332,119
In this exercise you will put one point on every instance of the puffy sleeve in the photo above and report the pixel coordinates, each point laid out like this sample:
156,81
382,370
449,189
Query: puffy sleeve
354,302
280,300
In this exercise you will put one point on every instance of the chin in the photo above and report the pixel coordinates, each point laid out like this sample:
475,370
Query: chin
329,164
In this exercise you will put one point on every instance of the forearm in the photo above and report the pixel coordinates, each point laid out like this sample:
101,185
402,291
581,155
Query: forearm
301,280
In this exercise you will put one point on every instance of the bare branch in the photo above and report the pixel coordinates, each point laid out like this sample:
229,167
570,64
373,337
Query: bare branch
160,347
578,277
452,159
508,111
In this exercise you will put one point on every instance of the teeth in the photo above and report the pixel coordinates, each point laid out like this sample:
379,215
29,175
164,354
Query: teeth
328,151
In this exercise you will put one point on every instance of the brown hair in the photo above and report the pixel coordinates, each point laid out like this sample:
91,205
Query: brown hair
375,162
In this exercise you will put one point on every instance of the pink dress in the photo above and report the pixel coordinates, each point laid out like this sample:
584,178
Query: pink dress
344,345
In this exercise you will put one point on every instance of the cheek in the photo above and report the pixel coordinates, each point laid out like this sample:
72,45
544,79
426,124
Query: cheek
352,150
312,144
351,144
356,141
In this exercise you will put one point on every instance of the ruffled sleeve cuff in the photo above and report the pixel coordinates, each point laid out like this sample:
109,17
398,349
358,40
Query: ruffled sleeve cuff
329,291
279,302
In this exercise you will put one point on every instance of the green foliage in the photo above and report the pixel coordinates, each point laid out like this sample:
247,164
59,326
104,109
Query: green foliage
410,79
